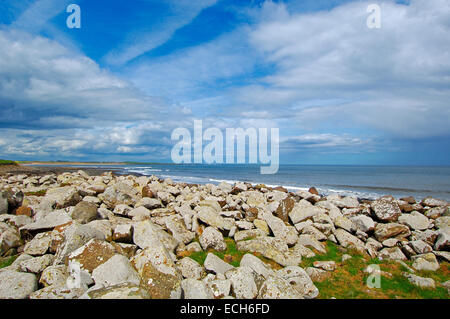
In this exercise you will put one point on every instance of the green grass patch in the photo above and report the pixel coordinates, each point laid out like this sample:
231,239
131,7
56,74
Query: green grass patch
42,192
7,162
7,261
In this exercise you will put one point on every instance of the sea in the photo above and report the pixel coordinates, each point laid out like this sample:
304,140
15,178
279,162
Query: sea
365,182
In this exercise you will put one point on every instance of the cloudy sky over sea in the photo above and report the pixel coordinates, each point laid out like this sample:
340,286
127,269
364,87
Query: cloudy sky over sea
339,92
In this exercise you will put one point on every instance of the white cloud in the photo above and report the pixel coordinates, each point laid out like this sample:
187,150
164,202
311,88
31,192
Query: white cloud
394,79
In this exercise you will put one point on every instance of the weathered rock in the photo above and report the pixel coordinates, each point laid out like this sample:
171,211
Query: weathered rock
421,247
278,288
284,208
54,276
301,212
75,236
437,212
248,234
386,209
220,287
257,265
57,292
120,193
123,233
314,232
9,238
442,222
414,220
3,204
84,212
196,289
310,241
433,202
62,197
347,240
272,248
390,230
212,238
17,285
88,257
50,221
242,282
299,279
190,268
36,265
325,265
280,230
216,265
175,224
116,270
425,262
443,241
420,281
392,253
363,223
211,217
121,291
146,234
344,223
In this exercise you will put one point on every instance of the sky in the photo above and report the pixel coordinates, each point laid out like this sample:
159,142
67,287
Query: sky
116,88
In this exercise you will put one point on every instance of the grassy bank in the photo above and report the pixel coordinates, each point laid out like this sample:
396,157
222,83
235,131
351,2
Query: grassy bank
7,162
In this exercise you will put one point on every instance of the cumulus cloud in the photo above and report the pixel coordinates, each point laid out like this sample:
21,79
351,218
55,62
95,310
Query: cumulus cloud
394,79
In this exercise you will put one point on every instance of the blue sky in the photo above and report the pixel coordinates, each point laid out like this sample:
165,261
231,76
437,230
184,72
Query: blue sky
339,92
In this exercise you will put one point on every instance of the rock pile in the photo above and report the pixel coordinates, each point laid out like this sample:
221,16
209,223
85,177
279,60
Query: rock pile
81,236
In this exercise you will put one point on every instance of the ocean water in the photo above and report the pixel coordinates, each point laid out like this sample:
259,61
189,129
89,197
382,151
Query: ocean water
362,181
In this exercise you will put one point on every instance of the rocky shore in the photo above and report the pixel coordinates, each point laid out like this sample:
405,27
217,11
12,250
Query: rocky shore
73,235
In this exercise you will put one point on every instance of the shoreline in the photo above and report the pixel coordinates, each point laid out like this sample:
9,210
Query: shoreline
220,241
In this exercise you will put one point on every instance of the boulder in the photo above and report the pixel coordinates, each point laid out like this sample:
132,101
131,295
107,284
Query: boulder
57,292
385,231
420,281
17,285
119,193
158,272
363,223
54,276
84,212
272,248
75,236
433,202
284,208
36,265
347,240
212,218
301,212
442,241
146,234
278,288
299,280
175,224
62,197
189,268
242,282
325,265
51,220
425,262
414,220
196,289
212,238
279,228
121,291
393,253
256,265
386,209
9,238
123,233
216,265
116,270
